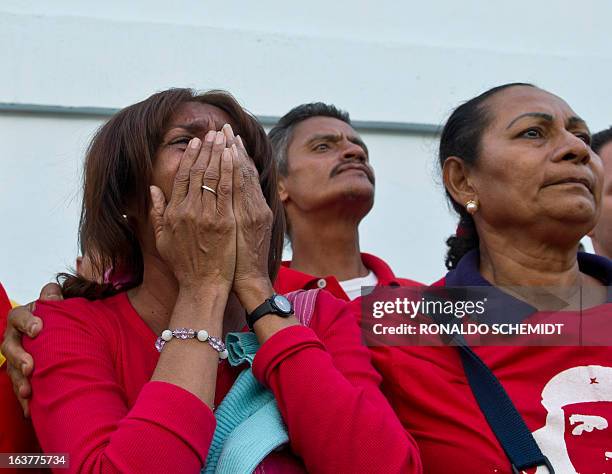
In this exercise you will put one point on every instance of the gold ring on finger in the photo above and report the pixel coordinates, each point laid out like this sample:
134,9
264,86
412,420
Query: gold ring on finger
209,189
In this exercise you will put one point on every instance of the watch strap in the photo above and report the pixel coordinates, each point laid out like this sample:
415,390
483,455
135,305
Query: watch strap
267,307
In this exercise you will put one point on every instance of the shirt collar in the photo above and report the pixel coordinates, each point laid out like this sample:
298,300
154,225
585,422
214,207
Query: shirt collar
379,267
467,272
509,309
289,279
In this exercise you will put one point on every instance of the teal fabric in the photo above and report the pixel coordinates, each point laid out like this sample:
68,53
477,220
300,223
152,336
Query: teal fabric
249,425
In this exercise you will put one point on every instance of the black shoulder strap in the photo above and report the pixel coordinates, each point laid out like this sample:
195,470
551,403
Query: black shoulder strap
504,419
501,414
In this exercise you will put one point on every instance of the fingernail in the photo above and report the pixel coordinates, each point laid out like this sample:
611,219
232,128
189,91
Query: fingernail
219,138
24,365
228,127
33,327
195,143
210,136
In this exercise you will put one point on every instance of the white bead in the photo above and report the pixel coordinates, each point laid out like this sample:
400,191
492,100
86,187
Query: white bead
321,283
223,354
202,335
166,335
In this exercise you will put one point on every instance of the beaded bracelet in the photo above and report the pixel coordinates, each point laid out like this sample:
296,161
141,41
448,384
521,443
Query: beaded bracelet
188,333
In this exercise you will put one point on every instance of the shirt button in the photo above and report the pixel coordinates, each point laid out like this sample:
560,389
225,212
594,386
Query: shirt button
321,283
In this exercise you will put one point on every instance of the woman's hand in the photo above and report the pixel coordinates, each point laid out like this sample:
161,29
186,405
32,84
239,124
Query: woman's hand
195,231
253,228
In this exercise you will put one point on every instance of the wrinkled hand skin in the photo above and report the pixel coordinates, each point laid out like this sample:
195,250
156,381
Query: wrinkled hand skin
195,231
254,220
20,364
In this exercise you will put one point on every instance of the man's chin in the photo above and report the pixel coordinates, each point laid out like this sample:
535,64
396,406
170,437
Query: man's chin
359,201
359,191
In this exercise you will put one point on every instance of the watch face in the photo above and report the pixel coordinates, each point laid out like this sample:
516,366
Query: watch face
283,304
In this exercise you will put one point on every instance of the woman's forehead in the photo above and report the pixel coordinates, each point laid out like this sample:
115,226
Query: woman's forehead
507,104
196,115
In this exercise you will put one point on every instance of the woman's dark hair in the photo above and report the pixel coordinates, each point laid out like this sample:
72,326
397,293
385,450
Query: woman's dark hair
118,169
461,137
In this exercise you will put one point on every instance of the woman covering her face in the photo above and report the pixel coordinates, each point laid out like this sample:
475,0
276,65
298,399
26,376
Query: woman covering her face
519,171
181,214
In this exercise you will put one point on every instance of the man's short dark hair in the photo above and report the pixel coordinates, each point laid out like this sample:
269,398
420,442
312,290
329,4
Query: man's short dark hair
280,136
600,139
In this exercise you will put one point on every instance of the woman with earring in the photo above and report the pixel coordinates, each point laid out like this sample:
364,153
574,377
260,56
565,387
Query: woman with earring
519,172
182,218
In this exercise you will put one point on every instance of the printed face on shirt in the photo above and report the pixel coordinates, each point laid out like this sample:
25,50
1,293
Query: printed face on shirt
327,165
577,434
588,436
536,171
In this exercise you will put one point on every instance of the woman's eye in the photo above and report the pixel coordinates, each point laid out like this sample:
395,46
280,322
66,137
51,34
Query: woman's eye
532,133
181,141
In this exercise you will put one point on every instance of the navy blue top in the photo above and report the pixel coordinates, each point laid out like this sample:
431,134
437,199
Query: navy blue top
503,307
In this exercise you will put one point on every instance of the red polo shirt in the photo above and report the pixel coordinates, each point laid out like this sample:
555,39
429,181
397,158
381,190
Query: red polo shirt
289,279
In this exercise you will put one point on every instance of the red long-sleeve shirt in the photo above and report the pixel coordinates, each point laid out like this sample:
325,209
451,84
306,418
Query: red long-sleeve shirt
94,400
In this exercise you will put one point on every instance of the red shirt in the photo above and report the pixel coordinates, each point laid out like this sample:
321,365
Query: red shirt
93,397
289,280
563,393
16,433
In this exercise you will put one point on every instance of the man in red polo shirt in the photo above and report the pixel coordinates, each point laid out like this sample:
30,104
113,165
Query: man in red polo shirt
327,187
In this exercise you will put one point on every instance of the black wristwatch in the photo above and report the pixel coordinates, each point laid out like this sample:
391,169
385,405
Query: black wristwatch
276,304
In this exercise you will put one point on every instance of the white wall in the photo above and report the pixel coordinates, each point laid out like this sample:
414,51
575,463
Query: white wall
382,61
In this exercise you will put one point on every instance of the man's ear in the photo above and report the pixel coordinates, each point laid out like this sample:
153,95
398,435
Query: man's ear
282,190
457,181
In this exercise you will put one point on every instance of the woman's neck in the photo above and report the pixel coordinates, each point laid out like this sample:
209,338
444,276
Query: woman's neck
511,264
540,274
154,299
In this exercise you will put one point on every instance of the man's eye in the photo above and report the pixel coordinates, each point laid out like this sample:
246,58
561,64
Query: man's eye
585,137
321,147
532,133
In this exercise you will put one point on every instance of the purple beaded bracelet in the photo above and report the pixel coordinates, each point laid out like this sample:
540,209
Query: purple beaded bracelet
188,333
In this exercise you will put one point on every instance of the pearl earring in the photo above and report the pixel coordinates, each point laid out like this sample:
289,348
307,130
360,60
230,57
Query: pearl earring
471,206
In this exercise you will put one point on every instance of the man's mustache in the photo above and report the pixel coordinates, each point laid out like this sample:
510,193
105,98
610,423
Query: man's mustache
353,165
